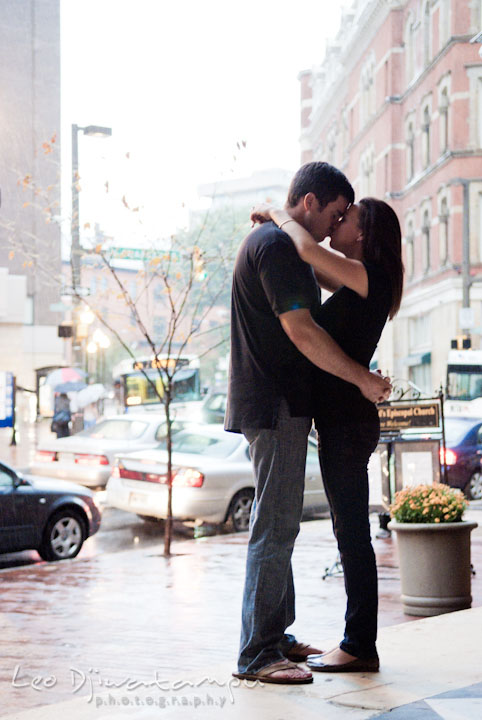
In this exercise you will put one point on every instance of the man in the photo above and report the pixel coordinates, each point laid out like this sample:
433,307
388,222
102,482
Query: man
273,340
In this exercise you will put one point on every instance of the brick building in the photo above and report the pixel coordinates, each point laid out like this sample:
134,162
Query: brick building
397,105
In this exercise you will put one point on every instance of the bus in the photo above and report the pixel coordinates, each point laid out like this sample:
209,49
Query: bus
464,383
136,393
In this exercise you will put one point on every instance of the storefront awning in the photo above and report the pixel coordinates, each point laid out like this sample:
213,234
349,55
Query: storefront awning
423,358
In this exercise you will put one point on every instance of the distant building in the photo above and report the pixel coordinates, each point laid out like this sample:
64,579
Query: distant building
29,186
397,105
262,186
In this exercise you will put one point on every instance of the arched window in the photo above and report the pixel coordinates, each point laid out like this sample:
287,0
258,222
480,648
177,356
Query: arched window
444,120
426,241
444,231
410,151
426,136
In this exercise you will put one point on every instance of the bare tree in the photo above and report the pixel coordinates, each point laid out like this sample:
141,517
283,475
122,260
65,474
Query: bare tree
191,271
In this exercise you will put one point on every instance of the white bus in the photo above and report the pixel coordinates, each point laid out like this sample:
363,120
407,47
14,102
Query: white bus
137,393
464,383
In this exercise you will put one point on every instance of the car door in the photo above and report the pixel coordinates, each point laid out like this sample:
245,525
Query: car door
315,497
17,529
7,511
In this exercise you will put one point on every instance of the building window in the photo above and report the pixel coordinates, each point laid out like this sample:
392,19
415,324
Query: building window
344,132
331,142
426,242
426,33
28,314
480,226
419,359
410,151
421,377
426,137
159,329
410,48
444,22
367,90
444,231
444,120
367,173
93,284
410,255
479,111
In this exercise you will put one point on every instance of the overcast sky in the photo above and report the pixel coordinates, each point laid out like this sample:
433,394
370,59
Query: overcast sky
181,83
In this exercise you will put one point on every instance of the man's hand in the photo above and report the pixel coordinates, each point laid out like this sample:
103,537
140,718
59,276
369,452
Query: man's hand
375,387
261,213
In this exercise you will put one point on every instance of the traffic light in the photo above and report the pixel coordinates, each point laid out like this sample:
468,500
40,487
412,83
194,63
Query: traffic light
64,331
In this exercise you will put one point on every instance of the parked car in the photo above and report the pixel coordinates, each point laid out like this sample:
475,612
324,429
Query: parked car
87,457
213,479
463,455
42,514
213,407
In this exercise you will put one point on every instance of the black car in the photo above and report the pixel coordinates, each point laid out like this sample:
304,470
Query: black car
44,514
463,440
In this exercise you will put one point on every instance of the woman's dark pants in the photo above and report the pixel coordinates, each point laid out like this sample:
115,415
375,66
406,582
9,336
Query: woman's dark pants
344,454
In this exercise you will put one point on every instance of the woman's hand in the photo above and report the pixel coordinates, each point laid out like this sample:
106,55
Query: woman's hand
261,213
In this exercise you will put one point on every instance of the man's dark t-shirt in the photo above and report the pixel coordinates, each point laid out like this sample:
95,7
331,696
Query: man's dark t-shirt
269,279
356,324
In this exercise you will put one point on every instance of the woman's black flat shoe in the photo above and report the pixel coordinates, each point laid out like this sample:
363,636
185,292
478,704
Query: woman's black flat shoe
315,662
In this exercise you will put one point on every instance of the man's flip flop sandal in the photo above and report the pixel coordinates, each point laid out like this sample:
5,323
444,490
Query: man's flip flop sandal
265,675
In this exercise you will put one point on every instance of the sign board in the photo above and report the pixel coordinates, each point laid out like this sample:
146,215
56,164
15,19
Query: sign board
466,318
141,254
79,290
398,416
161,362
6,399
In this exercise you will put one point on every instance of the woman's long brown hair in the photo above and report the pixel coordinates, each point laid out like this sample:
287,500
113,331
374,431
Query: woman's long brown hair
382,244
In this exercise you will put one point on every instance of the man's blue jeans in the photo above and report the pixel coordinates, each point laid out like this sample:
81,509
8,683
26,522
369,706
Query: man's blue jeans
279,460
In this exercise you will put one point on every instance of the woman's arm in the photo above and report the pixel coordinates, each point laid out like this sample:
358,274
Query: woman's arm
331,270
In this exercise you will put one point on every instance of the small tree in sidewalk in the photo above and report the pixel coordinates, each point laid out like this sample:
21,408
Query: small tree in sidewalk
192,283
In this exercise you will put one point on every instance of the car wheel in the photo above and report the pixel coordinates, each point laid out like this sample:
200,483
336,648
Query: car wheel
240,509
63,537
473,489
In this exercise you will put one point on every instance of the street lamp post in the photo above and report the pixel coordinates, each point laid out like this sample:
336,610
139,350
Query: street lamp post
75,248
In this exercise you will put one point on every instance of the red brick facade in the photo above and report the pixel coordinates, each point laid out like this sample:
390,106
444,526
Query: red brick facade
397,105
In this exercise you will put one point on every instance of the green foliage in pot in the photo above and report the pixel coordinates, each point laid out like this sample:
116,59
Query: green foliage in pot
437,503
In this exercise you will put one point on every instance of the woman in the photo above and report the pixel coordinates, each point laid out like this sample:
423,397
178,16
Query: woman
367,287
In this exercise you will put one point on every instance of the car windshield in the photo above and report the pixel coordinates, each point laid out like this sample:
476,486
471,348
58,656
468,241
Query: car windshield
203,444
456,430
115,430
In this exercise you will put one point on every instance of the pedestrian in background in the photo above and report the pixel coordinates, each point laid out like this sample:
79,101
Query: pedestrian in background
62,415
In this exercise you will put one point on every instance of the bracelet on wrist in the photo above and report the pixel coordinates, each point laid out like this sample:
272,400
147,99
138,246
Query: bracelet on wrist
284,222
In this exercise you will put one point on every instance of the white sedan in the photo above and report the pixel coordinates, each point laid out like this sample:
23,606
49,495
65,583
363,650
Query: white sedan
213,479
87,457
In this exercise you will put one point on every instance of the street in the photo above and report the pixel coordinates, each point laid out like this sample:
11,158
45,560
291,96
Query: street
119,531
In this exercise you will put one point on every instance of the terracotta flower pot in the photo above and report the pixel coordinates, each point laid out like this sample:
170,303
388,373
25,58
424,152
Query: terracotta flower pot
435,570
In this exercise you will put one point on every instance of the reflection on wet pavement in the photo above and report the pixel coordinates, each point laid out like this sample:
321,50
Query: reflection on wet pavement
134,614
